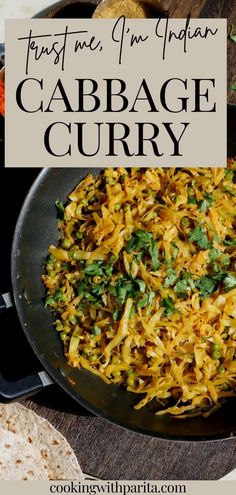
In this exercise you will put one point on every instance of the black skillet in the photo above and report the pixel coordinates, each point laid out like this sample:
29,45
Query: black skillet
35,230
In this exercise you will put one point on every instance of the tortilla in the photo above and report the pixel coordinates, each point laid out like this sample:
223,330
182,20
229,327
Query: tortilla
19,460
37,432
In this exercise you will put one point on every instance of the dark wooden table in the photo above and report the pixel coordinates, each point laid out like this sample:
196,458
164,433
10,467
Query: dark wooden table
107,451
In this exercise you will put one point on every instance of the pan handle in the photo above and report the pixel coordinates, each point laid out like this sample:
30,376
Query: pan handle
24,387
5,301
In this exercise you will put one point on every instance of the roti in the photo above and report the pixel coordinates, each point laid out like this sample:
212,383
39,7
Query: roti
37,432
18,459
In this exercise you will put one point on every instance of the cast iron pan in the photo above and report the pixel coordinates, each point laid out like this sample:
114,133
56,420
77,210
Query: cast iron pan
36,229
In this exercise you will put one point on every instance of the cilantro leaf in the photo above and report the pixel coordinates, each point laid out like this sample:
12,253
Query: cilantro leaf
206,285
143,302
229,191
184,284
233,86
141,284
206,203
143,241
209,283
231,242
138,241
225,260
198,235
98,268
126,287
58,296
169,306
93,269
213,255
191,201
60,210
171,277
154,255
146,300
117,315
96,330
229,281
144,236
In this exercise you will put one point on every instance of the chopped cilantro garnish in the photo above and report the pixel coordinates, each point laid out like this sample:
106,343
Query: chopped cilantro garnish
171,277
146,300
206,285
117,315
98,268
93,269
154,254
141,284
209,283
169,306
213,254
199,236
206,203
60,210
58,296
230,242
229,281
96,330
224,260
192,200
229,191
184,284
143,241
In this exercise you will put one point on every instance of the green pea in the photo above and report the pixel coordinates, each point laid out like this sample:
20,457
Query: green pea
216,355
79,235
131,380
92,358
126,208
66,243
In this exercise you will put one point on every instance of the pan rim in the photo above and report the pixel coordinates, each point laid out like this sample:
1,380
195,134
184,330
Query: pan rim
52,371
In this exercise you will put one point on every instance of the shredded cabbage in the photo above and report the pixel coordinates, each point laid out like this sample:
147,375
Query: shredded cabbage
142,283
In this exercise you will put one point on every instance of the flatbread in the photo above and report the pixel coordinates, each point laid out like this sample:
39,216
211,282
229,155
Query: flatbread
18,459
54,449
